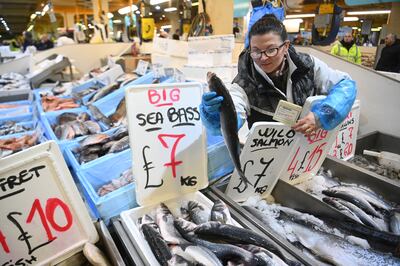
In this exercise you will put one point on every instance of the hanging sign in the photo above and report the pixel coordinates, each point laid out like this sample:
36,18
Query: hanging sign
42,217
344,145
266,148
171,157
141,68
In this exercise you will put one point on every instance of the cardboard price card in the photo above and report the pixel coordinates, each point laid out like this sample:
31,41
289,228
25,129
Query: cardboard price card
344,145
263,155
142,66
166,135
42,219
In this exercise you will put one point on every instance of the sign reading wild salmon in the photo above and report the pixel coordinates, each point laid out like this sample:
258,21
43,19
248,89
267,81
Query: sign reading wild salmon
42,217
266,148
344,145
166,136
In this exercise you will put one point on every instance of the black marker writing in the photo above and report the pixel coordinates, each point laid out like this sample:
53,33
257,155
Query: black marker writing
147,167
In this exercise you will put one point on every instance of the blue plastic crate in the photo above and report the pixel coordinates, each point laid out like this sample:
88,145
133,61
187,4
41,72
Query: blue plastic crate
29,124
101,173
50,118
109,103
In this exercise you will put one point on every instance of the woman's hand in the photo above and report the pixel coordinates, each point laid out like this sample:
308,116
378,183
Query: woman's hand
306,125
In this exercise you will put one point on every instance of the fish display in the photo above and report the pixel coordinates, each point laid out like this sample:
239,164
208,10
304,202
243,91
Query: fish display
12,127
103,92
321,241
98,145
71,125
12,145
14,81
359,203
206,242
124,179
371,163
54,103
119,116
229,122
99,116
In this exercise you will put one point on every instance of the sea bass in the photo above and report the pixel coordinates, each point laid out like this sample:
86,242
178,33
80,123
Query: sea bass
165,221
198,213
196,254
220,212
98,115
334,202
103,92
155,240
395,221
229,122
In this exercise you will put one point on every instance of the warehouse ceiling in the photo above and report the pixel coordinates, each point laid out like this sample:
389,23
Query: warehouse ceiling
17,13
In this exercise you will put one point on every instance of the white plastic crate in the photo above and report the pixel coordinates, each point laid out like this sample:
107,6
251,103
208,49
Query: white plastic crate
199,73
219,57
205,43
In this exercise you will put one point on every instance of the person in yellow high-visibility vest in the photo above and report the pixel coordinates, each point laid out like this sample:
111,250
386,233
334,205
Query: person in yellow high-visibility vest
347,49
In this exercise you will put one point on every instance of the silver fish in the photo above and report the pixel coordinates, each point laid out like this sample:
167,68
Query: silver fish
334,202
353,197
153,237
178,260
197,254
220,212
395,221
98,115
93,127
165,221
103,92
120,145
198,214
229,122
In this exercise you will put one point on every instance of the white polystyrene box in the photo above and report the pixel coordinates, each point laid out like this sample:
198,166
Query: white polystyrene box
199,73
205,43
220,57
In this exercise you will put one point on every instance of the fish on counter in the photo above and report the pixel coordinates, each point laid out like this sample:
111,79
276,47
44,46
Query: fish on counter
13,81
12,127
359,203
98,145
125,178
323,242
103,92
71,125
12,145
207,242
228,122
372,164
54,103
119,116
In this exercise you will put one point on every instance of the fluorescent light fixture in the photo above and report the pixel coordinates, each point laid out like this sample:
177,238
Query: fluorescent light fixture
170,9
150,13
163,16
110,15
30,28
137,12
292,25
157,2
38,12
195,4
302,29
375,29
117,21
301,16
371,12
346,19
33,16
127,9
158,7
166,27
354,28
180,12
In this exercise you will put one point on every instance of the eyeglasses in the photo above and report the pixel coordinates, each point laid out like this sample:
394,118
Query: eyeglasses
270,52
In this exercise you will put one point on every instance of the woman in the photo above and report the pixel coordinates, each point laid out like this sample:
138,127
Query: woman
271,70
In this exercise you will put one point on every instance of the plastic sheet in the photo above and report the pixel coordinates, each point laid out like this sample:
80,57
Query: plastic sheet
332,110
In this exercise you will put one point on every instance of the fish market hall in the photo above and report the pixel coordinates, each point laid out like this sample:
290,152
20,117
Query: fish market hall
199,132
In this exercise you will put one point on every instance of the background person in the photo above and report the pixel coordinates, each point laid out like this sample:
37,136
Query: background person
347,49
390,56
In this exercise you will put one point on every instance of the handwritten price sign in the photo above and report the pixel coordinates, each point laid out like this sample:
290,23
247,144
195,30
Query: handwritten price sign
266,148
42,218
344,145
169,155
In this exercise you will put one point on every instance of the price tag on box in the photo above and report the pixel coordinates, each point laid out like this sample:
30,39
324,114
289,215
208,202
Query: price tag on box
43,218
172,158
141,68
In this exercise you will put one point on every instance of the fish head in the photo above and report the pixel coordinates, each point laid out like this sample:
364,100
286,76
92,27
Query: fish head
210,76
183,226
162,209
194,206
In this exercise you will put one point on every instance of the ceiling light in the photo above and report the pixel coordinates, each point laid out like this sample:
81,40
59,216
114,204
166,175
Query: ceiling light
375,29
33,16
127,9
46,8
158,7
156,2
150,14
354,28
346,19
163,16
117,21
137,12
38,12
170,9
302,29
301,16
371,12
110,15
166,27
195,4
30,28
180,12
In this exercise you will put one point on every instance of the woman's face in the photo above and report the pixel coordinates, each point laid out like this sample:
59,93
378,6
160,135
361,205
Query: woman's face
271,43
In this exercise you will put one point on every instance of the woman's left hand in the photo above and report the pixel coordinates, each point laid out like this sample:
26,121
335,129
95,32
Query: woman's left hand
306,125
